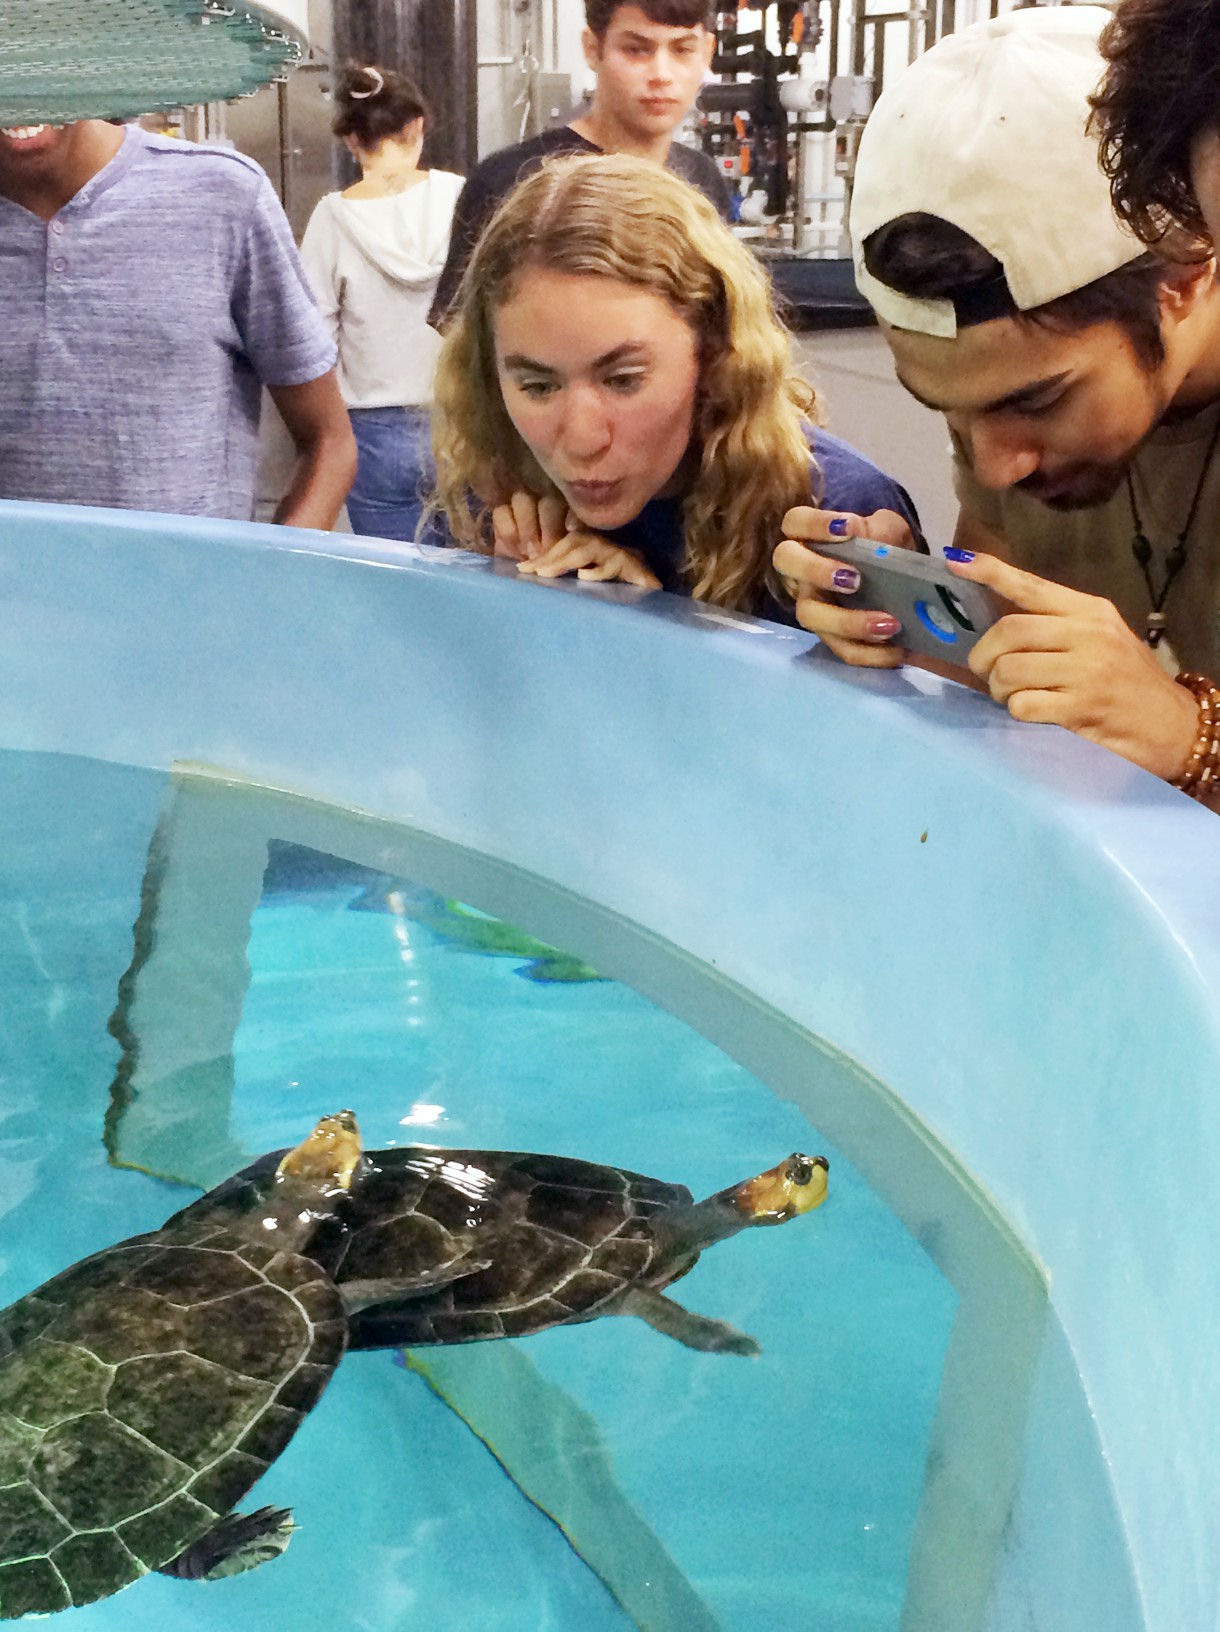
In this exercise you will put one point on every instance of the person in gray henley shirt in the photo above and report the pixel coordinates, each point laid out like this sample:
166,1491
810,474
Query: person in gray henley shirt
151,287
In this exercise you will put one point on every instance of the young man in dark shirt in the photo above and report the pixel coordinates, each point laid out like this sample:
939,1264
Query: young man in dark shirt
650,60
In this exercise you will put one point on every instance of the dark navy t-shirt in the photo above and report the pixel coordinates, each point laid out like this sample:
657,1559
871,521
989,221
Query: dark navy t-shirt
845,480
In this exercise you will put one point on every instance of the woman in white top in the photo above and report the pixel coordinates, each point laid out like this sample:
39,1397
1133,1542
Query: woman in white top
373,254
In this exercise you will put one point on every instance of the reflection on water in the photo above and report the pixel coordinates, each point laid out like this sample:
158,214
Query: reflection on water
288,958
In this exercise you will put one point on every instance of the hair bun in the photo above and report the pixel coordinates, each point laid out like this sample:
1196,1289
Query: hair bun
374,74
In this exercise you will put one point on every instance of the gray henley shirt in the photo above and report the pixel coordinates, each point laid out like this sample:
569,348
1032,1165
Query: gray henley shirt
137,326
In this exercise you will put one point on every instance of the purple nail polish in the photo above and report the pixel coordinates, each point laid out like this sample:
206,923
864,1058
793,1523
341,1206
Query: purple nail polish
846,578
838,527
952,554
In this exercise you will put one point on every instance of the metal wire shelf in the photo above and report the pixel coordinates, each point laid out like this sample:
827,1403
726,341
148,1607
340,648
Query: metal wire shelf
62,60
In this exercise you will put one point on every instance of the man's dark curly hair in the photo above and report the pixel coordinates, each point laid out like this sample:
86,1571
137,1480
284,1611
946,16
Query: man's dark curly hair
1161,89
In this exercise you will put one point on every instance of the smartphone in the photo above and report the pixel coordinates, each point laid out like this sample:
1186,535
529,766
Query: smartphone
941,615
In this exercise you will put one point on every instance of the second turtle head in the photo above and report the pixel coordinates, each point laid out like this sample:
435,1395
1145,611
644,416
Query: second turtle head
329,1157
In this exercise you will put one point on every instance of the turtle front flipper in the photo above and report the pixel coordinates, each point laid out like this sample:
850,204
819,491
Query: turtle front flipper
370,1293
696,1331
238,1542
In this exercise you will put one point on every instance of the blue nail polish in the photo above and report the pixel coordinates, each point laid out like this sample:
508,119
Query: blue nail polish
952,554
846,578
838,527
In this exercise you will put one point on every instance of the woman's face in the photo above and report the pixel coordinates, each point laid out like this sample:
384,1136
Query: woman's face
599,378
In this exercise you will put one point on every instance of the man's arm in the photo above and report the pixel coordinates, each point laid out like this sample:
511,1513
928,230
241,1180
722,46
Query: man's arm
326,451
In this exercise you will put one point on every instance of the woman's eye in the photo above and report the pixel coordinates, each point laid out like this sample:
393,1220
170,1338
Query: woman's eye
535,388
625,382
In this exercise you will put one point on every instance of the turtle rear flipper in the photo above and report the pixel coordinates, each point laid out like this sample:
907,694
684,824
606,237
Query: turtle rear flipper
696,1331
239,1541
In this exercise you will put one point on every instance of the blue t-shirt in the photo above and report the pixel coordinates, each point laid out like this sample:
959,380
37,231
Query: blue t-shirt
847,481
137,327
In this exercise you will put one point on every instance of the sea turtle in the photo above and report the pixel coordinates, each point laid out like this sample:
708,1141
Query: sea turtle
451,1246
144,1390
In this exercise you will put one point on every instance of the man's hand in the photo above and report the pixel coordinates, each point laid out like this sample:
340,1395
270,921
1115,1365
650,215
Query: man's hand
326,451
1066,658
856,635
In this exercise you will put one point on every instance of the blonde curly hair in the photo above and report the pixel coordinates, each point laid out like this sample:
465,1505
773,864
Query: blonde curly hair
628,219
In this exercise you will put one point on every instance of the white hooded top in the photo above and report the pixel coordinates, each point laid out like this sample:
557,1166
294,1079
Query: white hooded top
374,264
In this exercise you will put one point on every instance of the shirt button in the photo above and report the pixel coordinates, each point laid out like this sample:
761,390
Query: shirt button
57,226
58,264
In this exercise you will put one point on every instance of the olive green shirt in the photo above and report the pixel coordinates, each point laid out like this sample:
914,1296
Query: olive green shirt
1091,550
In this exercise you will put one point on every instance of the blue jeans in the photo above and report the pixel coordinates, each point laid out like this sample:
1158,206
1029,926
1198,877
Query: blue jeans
395,472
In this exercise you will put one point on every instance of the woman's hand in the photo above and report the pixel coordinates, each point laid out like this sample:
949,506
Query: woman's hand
593,558
1066,658
854,634
544,538
526,526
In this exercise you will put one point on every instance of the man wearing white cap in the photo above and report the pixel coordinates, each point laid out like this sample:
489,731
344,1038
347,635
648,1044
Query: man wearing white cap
1080,380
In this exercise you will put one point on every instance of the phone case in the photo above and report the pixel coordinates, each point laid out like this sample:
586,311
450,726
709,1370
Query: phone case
941,615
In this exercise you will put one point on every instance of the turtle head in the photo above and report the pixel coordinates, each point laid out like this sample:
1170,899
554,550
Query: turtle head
329,1157
797,1185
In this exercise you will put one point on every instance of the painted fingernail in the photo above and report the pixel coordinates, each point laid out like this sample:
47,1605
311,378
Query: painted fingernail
838,527
953,554
846,578
883,626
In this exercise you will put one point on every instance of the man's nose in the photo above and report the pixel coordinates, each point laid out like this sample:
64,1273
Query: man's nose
1000,456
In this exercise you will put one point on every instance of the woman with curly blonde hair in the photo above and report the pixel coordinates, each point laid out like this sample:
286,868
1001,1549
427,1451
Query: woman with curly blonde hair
615,397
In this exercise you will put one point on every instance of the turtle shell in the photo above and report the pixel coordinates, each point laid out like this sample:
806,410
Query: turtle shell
557,1239
489,1244
142,1392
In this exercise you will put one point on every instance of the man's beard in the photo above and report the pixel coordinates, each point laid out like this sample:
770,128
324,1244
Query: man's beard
1084,489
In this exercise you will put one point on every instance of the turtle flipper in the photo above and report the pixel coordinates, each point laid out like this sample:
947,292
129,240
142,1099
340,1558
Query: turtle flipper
368,1294
696,1331
239,1541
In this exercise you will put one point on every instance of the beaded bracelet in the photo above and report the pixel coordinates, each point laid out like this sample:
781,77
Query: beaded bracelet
1201,773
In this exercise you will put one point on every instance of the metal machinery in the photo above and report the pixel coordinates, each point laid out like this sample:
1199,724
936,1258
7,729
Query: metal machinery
796,81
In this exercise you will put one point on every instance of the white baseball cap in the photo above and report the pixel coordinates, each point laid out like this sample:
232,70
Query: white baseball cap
987,131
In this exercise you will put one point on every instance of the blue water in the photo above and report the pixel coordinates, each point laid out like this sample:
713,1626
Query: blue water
441,1046
780,1490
